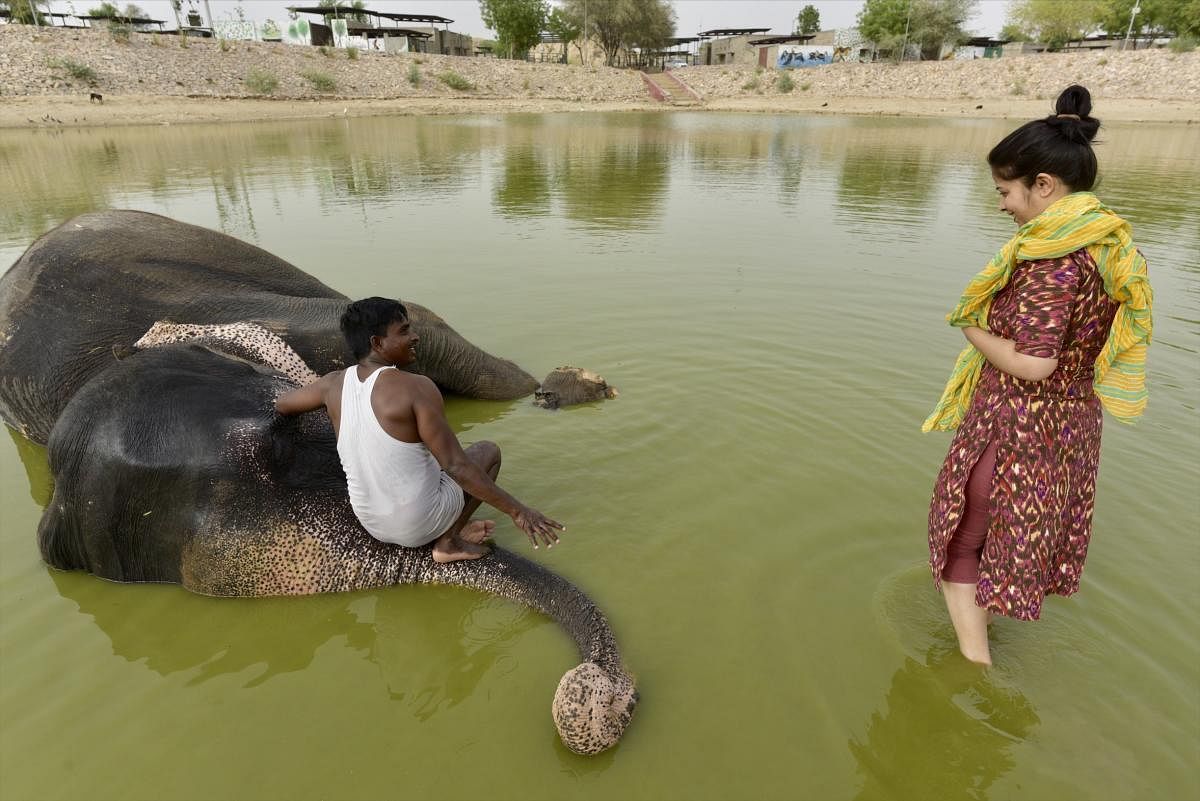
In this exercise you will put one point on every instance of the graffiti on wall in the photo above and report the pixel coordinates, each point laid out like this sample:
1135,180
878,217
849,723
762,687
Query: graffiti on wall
298,32
796,56
850,45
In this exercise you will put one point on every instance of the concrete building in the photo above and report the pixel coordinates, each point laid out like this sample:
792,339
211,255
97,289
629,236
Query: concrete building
729,46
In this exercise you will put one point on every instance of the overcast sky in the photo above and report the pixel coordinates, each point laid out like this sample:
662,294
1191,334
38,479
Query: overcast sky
692,16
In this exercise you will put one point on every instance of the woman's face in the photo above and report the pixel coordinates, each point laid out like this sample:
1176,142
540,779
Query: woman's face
1022,202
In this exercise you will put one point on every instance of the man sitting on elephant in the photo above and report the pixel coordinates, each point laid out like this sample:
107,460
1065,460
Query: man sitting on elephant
410,480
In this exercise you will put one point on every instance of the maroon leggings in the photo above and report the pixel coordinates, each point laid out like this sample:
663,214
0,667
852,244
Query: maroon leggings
966,546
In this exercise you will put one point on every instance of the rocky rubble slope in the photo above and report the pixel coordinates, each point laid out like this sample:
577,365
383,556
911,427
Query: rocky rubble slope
33,61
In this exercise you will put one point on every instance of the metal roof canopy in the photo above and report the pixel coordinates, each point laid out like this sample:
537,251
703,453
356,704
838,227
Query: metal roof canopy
678,40
771,40
731,32
985,41
347,11
121,18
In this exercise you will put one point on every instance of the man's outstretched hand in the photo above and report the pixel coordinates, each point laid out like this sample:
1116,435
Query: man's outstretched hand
537,526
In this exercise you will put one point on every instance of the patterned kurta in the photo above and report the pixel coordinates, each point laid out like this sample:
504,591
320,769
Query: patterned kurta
1047,436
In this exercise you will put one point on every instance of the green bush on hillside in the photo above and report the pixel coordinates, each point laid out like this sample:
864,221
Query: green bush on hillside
260,82
455,81
321,81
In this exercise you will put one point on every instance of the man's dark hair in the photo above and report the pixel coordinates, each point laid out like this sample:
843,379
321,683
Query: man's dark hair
1059,145
369,317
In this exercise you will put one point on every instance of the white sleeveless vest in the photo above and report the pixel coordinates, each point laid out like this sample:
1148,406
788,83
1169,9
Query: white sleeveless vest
397,489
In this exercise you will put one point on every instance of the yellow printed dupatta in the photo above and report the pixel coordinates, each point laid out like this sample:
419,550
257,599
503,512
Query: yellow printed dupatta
1075,221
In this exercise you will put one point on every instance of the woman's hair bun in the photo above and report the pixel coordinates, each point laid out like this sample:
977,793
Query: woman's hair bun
1072,113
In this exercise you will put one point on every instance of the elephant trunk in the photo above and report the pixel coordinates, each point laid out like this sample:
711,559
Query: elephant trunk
595,700
456,365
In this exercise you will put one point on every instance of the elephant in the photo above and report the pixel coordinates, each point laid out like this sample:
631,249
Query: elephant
90,288
171,465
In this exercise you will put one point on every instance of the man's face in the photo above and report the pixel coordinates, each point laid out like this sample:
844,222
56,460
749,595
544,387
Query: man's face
398,345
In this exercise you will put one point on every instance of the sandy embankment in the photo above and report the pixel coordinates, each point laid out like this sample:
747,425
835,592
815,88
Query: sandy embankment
153,80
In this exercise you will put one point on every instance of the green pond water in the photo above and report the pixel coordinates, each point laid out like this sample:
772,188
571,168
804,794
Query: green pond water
768,293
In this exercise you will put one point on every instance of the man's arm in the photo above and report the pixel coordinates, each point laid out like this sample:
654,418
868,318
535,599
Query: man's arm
305,399
437,435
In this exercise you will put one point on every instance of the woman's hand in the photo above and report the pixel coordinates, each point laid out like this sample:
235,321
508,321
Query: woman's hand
537,526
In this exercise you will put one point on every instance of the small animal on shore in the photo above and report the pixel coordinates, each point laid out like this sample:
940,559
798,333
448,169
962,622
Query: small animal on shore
96,97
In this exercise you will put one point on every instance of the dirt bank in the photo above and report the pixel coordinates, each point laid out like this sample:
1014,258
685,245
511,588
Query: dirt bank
46,76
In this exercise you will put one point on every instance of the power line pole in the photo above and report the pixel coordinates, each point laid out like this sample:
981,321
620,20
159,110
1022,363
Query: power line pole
1133,13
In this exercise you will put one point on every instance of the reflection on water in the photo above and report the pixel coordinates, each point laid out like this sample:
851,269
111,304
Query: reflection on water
37,468
169,630
945,730
768,293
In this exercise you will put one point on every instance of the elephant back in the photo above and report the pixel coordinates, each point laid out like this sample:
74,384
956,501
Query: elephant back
91,287
170,445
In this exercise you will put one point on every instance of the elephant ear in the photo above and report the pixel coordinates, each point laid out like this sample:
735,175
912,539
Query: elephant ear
245,340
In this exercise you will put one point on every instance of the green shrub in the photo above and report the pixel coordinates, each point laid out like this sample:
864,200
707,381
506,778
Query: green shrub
455,81
1102,61
260,82
785,83
325,51
119,31
804,87
352,53
750,85
321,81
1182,44
77,71
414,75
1018,87
224,45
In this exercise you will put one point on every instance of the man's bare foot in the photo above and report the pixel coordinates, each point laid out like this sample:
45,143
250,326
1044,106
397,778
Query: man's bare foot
477,531
454,549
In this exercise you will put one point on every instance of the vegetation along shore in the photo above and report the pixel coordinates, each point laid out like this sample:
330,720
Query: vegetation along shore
47,76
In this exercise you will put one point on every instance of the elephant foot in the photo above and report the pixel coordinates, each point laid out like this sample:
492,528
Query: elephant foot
452,548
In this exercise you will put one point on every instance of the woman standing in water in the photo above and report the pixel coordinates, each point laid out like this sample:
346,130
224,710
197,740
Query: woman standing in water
1058,324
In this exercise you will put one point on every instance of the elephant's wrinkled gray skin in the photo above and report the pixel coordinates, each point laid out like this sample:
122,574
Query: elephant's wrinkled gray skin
87,290
171,465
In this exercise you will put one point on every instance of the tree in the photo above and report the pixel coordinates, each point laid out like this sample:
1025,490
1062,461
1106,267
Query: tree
936,23
1055,22
518,23
929,24
617,24
105,11
22,12
1162,17
565,27
885,22
1013,33
808,20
